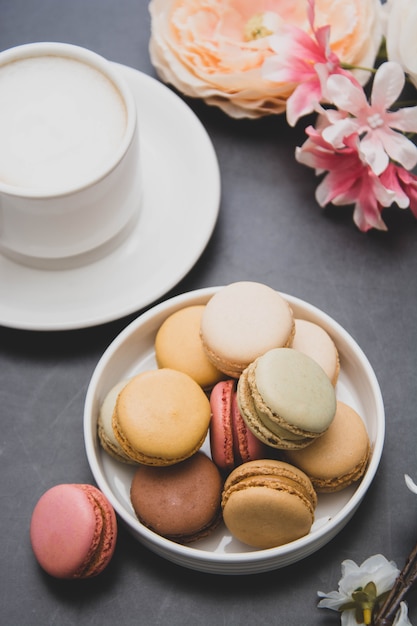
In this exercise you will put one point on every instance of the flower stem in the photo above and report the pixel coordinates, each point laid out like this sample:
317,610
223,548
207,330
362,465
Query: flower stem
349,66
405,580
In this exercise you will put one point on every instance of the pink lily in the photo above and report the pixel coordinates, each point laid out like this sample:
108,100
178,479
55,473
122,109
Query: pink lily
307,61
375,125
349,180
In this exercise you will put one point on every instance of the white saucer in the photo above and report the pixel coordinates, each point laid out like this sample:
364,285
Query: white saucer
180,207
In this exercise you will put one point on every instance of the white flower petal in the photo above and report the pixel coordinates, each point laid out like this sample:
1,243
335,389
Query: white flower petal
410,483
345,95
335,133
388,84
332,600
348,619
399,148
372,150
401,618
404,119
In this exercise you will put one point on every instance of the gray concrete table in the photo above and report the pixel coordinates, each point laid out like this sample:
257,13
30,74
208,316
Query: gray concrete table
271,230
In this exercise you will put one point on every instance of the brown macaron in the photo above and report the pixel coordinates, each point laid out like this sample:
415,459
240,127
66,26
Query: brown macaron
268,503
180,502
338,458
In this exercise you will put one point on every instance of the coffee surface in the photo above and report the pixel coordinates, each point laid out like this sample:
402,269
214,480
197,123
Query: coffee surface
61,123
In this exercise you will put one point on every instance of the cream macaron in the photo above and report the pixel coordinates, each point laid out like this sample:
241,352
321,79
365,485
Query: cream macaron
242,321
161,417
286,399
105,432
313,340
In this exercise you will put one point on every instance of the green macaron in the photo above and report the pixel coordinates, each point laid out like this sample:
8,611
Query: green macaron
286,399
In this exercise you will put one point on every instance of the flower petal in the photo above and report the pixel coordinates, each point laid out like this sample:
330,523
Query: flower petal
336,132
332,600
372,149
401,618
404,119
303,101
410,483
345,95
399,148
388,84
391,181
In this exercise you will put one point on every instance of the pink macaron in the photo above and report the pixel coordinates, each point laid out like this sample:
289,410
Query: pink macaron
232,443
73,531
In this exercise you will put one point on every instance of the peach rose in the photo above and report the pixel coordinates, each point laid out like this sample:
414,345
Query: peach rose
400,33
215,49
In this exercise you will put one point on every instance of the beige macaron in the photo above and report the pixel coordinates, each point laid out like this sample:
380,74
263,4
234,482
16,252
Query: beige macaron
286,399
242,321
268,503
338,458
178,346
105,428
313,340
161,417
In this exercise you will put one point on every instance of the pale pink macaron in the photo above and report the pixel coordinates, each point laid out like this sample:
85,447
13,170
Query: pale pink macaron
242,321
315,342
73,531
232,443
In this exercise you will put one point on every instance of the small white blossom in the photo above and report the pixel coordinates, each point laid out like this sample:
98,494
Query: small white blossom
376,569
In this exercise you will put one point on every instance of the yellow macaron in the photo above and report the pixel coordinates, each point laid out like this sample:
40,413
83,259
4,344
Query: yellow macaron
178,346
161,417
338,458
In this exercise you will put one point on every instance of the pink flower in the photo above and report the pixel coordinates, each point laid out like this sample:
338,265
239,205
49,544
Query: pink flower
404,184
348,179
307,61
373,122
215,49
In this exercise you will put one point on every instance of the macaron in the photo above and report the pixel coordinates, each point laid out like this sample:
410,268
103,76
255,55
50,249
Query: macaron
286,399
338,458
180,502
73,531
268,503
178,346
242,321
231,442
161,417
313,340
105,432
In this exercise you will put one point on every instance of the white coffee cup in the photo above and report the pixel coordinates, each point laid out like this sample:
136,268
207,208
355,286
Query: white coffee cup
70,185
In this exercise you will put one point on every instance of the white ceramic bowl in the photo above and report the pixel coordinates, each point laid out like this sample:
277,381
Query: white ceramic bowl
69,157
133,351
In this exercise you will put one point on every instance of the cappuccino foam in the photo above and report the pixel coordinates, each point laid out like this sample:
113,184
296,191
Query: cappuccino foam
61,123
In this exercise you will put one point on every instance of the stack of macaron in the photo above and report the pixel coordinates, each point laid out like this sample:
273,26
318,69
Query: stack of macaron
261,386
158,420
